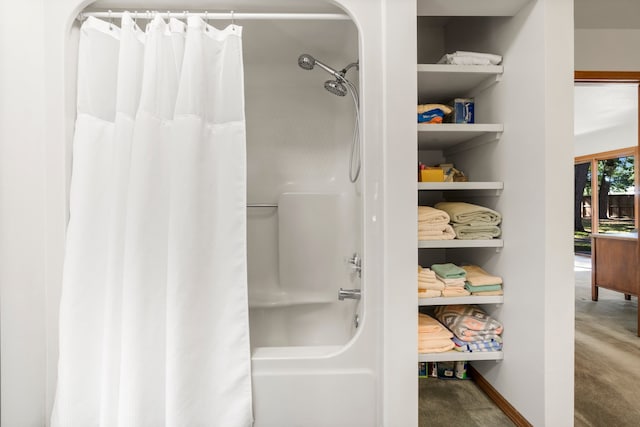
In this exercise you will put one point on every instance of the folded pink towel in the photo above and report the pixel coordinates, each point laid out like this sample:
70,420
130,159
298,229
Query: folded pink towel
435,346
447,233
455,292
429,293
429,215
458,283
429,325
476,276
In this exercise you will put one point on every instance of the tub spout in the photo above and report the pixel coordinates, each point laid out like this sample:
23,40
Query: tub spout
348,294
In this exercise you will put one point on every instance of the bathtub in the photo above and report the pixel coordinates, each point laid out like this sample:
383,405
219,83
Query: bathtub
301,334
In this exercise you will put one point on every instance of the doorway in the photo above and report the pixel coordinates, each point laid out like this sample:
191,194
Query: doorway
606,147
606,202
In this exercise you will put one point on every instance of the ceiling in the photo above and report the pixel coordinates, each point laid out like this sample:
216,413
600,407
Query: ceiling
604,106
601,14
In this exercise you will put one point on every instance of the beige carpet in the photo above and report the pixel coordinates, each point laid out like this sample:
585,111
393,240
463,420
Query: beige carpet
453,403
607,356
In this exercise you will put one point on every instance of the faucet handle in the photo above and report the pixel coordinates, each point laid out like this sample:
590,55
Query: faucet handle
356,263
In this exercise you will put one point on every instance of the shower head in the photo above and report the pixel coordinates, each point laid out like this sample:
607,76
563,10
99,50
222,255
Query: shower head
335,87
308,62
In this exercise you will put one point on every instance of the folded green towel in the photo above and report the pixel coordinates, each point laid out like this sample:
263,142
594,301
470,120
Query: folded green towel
448,271
470,214
482,288
476,232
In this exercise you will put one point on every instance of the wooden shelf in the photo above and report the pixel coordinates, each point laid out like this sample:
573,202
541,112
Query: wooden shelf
456,243
471,299
470,7
452,355
443,82
449,135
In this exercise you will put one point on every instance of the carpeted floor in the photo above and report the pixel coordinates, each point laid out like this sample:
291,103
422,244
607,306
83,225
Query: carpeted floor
607,356
607,369
452,403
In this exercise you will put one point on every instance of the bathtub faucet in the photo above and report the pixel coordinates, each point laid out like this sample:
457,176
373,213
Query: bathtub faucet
348,294
356,263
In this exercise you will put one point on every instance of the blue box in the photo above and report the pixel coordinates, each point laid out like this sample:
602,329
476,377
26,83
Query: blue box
463,110
422,369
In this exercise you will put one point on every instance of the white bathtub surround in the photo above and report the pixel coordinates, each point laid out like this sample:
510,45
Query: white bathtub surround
154,310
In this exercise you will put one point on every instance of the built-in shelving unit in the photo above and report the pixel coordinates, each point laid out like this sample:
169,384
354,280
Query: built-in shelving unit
440,83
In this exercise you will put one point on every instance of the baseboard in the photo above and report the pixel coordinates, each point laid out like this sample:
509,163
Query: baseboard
498,399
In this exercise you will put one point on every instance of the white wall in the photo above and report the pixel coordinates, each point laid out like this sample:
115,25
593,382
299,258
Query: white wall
606,117
22,219
607,49
400,383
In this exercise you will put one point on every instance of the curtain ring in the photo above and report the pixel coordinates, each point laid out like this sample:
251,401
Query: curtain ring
168,15
185,13
206,21
233,21
110,21
135,19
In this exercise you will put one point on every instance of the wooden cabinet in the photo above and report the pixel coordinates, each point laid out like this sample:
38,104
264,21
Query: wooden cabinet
614,259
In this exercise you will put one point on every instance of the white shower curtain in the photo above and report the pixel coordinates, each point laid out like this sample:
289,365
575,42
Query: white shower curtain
154,313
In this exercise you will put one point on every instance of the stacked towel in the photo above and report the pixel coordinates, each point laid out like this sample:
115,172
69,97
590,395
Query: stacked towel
479,282
471,326
433,224
428,285
432,336
472,222
452,291
449,271
462,57
477,346
453,279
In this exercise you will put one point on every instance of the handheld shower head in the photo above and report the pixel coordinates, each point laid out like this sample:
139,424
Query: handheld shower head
340,86
335,87
308,62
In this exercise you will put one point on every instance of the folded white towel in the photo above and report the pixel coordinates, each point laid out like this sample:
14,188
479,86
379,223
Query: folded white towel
463,60
494,59
461,57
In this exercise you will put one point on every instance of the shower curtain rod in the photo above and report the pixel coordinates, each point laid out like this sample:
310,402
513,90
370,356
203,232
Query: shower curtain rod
224,15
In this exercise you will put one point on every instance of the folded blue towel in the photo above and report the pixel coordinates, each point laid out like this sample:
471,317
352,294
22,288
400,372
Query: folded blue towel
476,346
